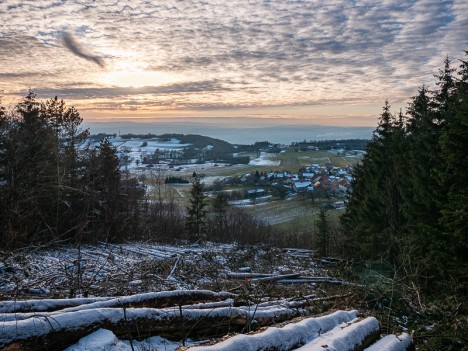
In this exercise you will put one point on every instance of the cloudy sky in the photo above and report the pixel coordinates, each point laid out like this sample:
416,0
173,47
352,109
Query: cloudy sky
329,62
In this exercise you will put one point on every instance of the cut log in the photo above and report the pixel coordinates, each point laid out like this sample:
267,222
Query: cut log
282,339
283,279
43,305
275,278
64,329
354,336
159,299
249,275
303,279
154,300
207,305
402,342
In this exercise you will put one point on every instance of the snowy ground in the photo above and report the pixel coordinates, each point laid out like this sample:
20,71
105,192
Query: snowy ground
137,148
120,285
265,159
109,270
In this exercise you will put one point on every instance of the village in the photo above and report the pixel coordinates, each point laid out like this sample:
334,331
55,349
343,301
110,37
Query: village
244,174
312,182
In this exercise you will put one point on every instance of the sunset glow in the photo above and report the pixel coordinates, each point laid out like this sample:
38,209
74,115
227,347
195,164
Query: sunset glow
313,62
136,78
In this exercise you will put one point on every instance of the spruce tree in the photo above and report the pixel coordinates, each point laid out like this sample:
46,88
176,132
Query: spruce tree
322,234
107,183
218,217
368,217
408,204
454,179
196,211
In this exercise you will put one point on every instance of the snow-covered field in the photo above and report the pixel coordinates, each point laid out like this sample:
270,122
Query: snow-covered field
135,149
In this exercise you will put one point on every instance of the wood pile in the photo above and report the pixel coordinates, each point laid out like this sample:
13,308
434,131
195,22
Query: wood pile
197,314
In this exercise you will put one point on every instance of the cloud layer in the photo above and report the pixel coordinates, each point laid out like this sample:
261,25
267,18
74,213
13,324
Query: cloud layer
219,55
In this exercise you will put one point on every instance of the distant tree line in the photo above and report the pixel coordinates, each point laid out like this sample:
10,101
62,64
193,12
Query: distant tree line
175,180
346,144
409,200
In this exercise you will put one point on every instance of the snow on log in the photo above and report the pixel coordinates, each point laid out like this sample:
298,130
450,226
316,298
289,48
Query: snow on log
305,280
249,275
155,300
286,338
45,304
8,317
64,329
402,342
282,279
306,301
207,305
275,278
346,337
299,253
159,299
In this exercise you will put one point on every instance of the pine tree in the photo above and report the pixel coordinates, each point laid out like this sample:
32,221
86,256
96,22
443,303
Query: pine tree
196,212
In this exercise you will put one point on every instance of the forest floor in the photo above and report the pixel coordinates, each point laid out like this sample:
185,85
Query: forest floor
78,288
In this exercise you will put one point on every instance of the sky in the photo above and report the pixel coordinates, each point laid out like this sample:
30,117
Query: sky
282,62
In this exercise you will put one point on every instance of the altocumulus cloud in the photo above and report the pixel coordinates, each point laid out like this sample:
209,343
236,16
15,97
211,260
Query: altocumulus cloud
228,54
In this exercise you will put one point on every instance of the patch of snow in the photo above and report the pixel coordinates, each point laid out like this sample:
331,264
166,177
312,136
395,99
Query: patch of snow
156,343
100,340
265,160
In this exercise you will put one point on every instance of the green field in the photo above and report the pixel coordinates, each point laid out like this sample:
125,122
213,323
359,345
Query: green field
293,160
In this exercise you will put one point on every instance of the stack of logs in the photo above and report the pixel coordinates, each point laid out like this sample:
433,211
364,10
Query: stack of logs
180,314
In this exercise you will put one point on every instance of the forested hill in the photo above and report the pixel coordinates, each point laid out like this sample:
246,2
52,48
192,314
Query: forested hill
199,141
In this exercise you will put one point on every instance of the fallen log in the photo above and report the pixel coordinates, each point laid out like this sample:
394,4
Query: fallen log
402,342
354,336
249,275
207,305
310,280
274,278
282,339
154,300
8,317
43,305
296,303
158,299
294,278
64,329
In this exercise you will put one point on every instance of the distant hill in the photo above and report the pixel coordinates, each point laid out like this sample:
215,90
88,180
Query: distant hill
200,141
236,133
